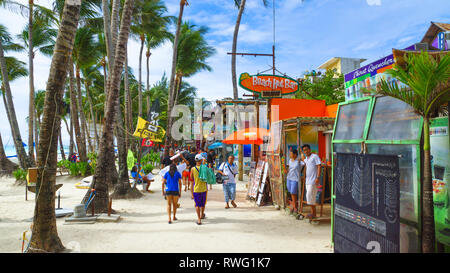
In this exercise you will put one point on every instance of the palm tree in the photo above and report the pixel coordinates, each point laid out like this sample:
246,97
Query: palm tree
428,80
172,77
16,69
193,51
5,38
91,74
42,39
147,15
44,236
85,54
241,5
100,182
157,34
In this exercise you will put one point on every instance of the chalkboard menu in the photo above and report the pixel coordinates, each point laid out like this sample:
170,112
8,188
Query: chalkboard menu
367,206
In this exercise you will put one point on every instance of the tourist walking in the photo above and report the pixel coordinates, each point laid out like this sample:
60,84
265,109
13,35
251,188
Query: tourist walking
198,189
313,165
171,189
230,170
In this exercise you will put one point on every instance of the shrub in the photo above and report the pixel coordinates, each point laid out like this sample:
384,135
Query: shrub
20,174
93,158
64,164
83,168
148,168
74,169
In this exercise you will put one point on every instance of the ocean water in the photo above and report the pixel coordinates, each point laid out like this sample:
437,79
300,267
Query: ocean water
10,151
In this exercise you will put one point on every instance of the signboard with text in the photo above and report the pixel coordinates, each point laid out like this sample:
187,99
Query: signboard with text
367,206
268,86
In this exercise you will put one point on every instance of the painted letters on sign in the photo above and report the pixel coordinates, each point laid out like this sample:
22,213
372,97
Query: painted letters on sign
268,85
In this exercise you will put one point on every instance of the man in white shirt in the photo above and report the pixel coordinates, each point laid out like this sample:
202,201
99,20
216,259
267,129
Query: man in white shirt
292,178
229,186
313,165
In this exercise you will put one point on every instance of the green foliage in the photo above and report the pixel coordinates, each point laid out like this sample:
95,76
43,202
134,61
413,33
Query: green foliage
74,170
427,80
93,158
148,168
20,174
83,167
64,164
329,87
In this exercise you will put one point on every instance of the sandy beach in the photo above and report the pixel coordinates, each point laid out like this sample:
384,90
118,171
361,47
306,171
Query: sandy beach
143,226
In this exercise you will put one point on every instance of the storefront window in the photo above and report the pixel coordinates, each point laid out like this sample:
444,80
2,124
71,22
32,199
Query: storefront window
347,148
351,120
393,120
408,175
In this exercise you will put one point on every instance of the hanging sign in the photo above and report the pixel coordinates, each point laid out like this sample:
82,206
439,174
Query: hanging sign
268,86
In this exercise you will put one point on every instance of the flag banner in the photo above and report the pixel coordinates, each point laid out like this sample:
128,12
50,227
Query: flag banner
145,129
147,143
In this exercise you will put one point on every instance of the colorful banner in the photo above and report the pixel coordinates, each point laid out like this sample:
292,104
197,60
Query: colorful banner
440,168
145,129
368,77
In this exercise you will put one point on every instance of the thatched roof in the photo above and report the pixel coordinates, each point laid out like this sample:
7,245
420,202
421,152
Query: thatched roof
399,55
433,30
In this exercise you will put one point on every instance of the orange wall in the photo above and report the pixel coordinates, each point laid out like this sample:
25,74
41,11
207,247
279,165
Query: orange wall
331,110
292,108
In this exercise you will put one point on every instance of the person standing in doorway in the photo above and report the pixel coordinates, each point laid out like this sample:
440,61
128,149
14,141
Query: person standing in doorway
313,165
198,189
229,185
293,173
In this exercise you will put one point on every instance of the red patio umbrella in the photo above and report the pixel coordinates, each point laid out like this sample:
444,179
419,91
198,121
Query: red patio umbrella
247,136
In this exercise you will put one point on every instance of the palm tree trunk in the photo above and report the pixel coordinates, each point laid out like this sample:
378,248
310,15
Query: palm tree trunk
115,20
127,98
428,229
91,109
37,125
233,56
31,82
24,160
172,79
147,55
100,182
84,133
140,77
122,189
70,132
81,144
44,233
61,146
108,36
6,165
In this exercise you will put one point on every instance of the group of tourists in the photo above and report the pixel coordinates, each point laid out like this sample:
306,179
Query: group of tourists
182,169
296,169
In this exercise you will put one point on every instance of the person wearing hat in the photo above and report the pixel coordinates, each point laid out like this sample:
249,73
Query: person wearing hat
199,189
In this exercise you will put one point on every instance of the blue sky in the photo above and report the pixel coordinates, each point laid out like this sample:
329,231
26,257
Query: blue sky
307,34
